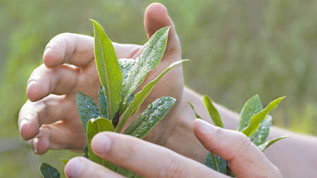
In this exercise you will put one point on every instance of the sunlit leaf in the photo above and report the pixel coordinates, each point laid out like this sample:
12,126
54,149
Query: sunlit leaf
86,108
151,116
49,171
95,126
251,107
267,144
141,95
213,112
109,72
64,160
260,136
260,116
192,106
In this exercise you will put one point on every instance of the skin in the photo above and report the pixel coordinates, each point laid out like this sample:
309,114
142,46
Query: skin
149,160
49,118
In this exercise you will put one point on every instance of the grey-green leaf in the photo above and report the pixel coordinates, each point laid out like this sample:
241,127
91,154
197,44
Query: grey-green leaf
94,126
267,144
251,107
260,116
213,112
103,103
125,66
49,171
192,106
150,57
260,136
86,108
109,72
221,163
141,95
150,117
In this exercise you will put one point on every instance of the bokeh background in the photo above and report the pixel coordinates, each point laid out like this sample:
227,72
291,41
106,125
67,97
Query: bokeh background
237,48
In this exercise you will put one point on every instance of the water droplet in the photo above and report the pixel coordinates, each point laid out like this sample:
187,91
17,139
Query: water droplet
149,106
160,108
152,115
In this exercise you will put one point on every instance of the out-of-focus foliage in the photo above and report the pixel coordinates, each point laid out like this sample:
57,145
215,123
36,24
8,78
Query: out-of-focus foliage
237,48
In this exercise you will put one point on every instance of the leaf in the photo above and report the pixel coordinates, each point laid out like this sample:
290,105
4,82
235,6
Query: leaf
141,95
222,164
109,72
192,106
86,108
94,126
103,103
49,171
260,116
150,57
251,107
260,136
151,116
267,144
213,112
64,160
125,67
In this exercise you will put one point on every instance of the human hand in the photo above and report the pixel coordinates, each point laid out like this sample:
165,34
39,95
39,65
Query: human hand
149,160
49,119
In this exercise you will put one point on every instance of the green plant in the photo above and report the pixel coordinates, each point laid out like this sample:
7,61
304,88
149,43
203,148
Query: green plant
117,99
254,122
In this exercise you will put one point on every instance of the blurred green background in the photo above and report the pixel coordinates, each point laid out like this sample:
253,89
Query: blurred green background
237,47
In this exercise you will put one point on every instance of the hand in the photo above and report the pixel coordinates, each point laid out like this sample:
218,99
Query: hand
149,160
49,119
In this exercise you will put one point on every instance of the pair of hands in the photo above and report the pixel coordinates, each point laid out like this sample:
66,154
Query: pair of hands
49,119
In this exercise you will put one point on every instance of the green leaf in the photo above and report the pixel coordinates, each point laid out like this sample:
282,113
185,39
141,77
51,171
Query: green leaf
49,171
87,108
267,144
64,160
192,106
103,103
251,107
141,95
260,136
213,112
260,116
94,126
108,68
125,67
150,57
221,163
151,116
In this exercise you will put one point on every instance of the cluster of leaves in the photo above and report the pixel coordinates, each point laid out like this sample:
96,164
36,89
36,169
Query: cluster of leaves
254,122
119,80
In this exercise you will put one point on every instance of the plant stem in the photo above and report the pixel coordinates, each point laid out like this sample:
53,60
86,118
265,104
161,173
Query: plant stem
214,161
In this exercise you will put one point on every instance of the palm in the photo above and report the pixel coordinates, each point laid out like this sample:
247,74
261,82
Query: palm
52,118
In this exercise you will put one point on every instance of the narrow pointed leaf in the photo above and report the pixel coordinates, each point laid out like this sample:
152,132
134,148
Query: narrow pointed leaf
192,106
251,107
108,68
267,144
213,112
150,117
260,116
150,57
103,103
49,171
141,95
86,108
260,136
95,126
221,163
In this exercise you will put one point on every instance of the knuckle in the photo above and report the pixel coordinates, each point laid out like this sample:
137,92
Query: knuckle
171,168
243,143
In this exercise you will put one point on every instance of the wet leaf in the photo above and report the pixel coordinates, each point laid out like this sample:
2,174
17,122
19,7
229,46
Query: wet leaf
49,171
151,116
251,107
103,103
260,136
109,72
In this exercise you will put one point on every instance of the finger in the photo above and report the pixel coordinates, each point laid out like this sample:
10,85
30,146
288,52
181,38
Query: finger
146,159
59,135
81,167
156,17
244,158
44,81
69,48
33,114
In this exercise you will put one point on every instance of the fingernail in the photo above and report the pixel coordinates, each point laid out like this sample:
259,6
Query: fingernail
22,123
34,143
205,126
102,143
74,167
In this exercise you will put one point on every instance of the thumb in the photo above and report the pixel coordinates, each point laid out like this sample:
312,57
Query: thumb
156,17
